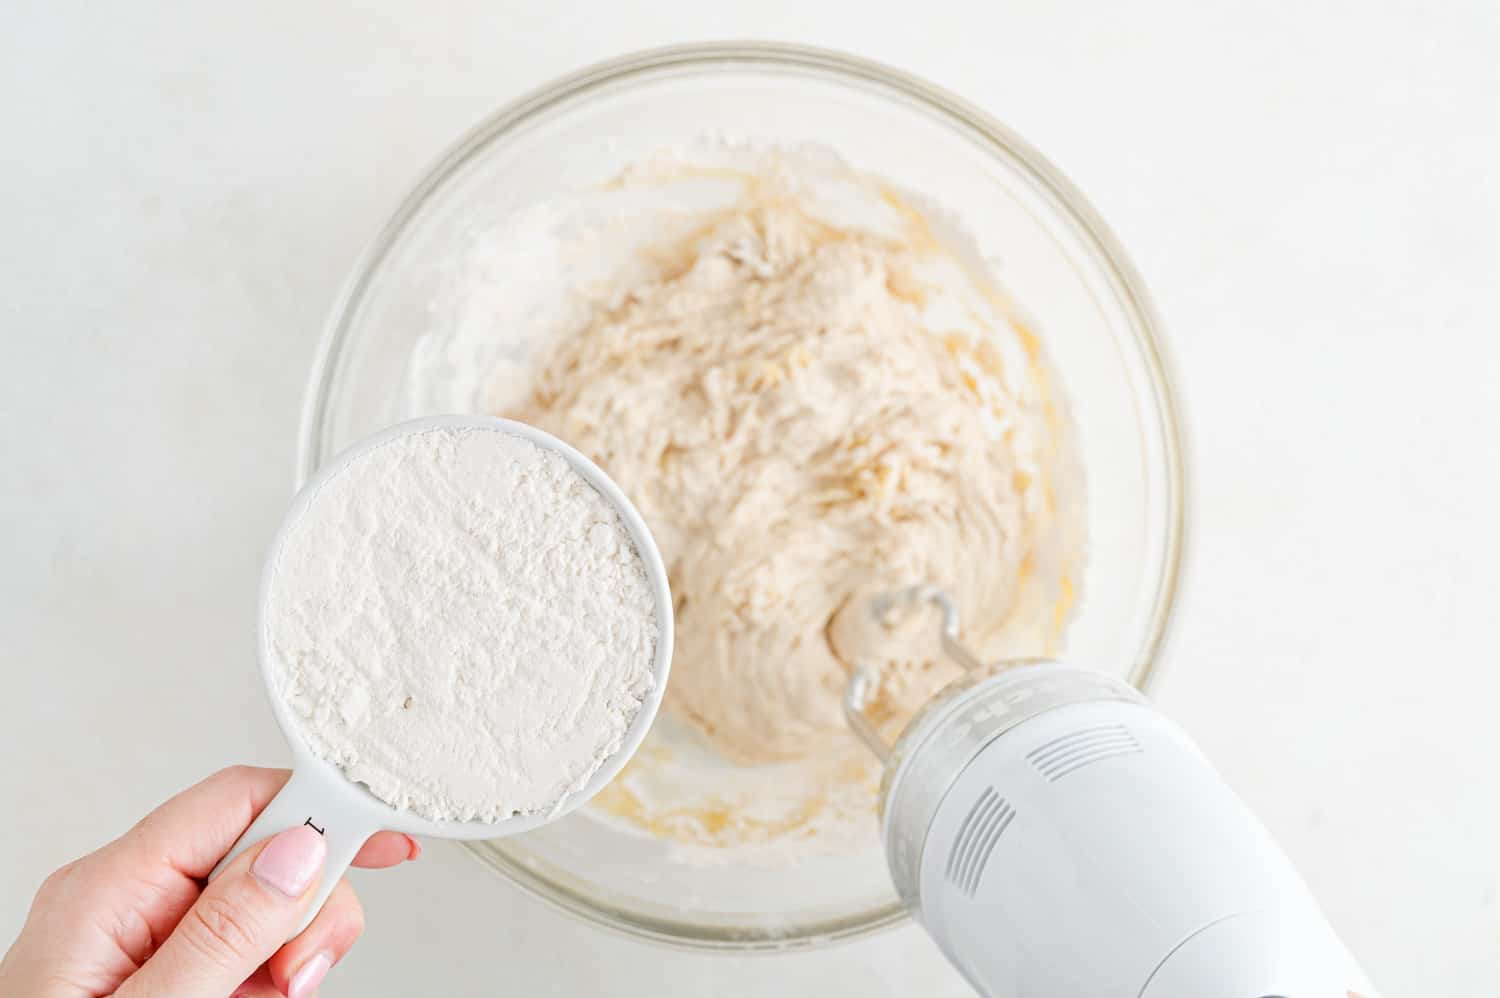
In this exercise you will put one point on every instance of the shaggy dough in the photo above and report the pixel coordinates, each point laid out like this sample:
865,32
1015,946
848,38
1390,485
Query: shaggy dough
799,430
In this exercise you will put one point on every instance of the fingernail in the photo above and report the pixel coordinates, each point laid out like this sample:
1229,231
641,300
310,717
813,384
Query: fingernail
290,862
305,981
415,848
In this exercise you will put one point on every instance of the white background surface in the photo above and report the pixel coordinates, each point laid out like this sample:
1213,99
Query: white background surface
1308,188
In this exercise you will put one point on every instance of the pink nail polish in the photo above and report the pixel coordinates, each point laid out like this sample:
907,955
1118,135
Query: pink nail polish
291,860
414,848
306,980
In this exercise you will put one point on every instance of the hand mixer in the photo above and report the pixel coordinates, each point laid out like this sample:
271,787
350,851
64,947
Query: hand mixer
1057,836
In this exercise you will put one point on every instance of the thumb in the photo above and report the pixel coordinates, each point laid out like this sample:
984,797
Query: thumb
238,921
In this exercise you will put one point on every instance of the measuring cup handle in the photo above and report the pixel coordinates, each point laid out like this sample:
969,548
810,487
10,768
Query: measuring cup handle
306,800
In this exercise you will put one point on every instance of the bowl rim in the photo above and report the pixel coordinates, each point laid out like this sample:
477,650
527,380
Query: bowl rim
978,126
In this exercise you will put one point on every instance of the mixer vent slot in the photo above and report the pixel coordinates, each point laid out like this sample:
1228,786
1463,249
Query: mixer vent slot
1081,748
982,827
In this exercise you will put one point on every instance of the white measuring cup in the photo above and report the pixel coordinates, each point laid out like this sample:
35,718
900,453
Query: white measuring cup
345,813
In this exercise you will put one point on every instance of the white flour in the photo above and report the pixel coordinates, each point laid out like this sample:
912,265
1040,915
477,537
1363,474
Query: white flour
460,622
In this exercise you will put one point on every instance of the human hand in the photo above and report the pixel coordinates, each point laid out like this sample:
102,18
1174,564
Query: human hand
134,919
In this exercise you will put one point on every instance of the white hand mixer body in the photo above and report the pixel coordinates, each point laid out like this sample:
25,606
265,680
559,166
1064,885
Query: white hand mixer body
1057,836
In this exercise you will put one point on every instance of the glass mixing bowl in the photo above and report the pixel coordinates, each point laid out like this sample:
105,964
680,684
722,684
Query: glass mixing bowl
1055,255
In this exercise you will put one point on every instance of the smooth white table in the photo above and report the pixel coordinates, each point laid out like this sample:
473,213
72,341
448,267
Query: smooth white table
1310,193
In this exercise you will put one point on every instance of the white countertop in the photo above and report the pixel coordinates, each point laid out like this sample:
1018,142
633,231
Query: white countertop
1309,190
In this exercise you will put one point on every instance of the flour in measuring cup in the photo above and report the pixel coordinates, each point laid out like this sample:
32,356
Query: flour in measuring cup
462,623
